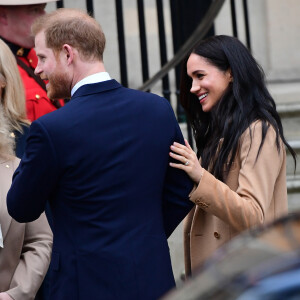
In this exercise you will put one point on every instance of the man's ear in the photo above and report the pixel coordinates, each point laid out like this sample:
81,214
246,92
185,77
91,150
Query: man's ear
3,16
69,53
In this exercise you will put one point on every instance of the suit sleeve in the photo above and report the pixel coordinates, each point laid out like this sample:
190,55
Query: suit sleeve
246,206
176,203
34,260
35,178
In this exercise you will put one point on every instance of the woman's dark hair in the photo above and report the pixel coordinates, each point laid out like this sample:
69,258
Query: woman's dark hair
245,101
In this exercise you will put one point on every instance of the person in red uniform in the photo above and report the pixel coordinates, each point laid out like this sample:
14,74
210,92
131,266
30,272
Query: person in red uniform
16,18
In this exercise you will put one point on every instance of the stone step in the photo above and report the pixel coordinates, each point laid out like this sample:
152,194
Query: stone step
293,178
290,166
287,99
285,92
290,118
293,183
288,109
293,188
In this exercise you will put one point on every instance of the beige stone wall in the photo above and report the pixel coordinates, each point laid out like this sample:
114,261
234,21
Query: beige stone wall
275,35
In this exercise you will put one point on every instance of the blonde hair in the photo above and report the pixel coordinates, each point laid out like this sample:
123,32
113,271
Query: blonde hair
13,95
75,28
7,143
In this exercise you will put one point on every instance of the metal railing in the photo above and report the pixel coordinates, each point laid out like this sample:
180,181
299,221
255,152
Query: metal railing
197,35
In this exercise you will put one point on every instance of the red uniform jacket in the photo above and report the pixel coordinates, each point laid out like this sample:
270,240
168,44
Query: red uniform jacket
37,102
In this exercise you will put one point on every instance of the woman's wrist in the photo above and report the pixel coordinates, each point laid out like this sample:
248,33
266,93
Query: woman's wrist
197,181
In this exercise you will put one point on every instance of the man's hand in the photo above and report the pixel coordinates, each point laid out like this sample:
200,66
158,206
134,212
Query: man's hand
5,296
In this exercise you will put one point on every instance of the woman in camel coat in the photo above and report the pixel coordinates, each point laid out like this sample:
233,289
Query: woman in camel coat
25,256
25,249
240,167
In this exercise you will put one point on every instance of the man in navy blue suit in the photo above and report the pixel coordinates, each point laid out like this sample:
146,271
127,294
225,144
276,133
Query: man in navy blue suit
102,163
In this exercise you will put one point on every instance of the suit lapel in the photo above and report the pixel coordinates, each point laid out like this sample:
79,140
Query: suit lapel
6,172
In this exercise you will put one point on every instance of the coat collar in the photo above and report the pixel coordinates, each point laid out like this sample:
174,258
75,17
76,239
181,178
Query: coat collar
94,88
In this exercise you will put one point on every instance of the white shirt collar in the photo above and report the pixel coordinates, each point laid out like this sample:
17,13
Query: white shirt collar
95,78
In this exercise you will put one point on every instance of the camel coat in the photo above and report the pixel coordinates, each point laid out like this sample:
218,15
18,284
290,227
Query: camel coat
253,193
25,258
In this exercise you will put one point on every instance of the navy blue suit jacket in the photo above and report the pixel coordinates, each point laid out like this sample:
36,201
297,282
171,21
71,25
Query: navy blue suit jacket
101,162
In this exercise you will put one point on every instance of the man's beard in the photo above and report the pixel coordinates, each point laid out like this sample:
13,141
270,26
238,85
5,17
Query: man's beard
58,86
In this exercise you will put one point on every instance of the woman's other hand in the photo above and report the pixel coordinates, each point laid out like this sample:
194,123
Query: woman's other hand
188,160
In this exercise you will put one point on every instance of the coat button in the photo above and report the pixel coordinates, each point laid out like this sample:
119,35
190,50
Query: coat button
37,96
217,235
